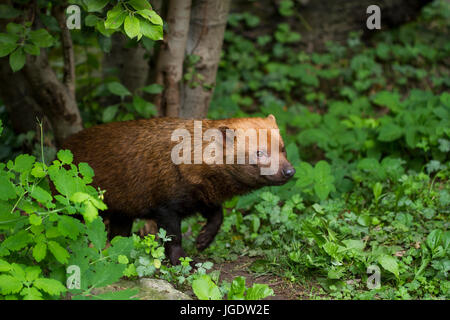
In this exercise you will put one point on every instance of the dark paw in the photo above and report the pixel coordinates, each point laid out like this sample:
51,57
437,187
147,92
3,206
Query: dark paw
204,240
175,253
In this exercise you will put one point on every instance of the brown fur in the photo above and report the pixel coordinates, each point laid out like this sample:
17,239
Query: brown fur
132,162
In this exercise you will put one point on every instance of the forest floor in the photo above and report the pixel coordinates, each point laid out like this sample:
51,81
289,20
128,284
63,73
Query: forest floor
283,289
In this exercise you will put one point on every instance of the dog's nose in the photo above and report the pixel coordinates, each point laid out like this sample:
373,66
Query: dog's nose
288,172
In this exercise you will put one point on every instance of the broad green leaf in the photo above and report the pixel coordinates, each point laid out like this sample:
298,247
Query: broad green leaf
35,220
32,273
51,286
23,163
97,234
258,291
41,195
17,241
390,132
153,88
434,239
155,18
7,190
9,284
8,43
65,156
109,113
132,26
237,289
69,227
41,38
115,17
4,266
40,251
60,253
96,5
140,4
151,31
205,289
31,293
86,171
8,12
118,89
389,263
17,59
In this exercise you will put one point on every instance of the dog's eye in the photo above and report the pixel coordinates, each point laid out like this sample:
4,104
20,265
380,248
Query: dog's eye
259,154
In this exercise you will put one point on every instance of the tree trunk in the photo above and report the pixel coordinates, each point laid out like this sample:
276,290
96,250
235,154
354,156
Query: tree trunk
55,99
169,69
129,61
206,32
15,92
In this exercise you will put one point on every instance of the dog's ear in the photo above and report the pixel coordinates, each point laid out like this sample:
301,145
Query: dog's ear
271,117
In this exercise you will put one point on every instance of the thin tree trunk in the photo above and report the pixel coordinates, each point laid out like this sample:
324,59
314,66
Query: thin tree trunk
56,100
130,62
206,32
15,92
169,69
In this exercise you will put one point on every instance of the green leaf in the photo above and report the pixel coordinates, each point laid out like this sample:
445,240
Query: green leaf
237,289
41,195
8,12
109,113
205,289
434,239
17,241
40,251
96,5
155,18
41,38
17,59
31,293
258,292
97,234
38,170
23,163
132,26
140,4
69,227
115,17
32,273
32,49
51,286
118,89
65,156
35,220
153,88
143,107
389,263
4,266
91,20
7,190
86,171
8,43
60,253
151,31
9,284
390,132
